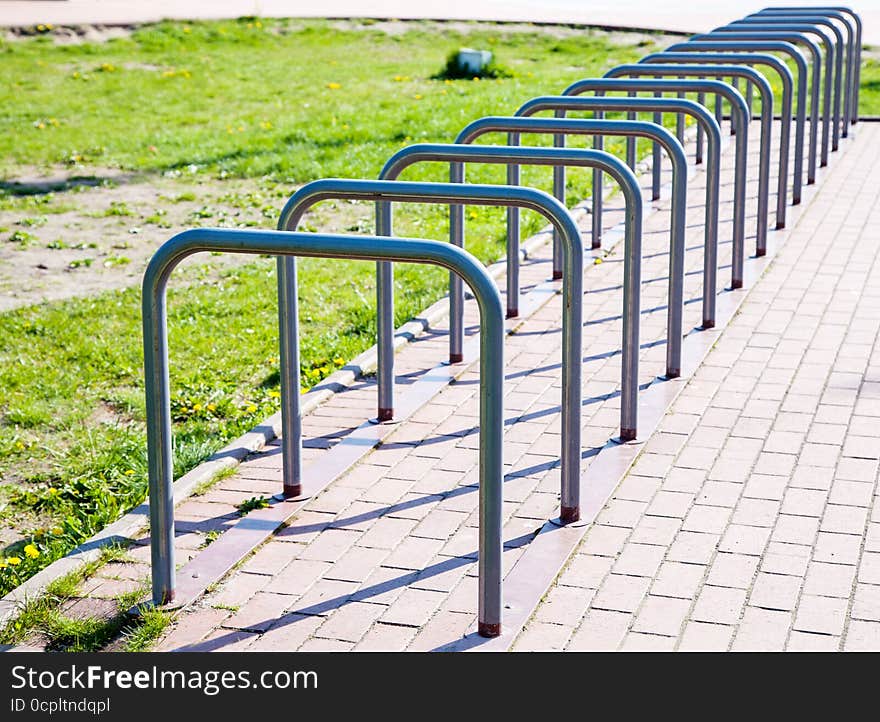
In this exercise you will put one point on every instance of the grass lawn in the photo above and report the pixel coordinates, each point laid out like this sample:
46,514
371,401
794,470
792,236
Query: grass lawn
274,103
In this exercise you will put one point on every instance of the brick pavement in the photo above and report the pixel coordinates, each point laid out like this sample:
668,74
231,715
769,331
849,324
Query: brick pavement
385,557
751,522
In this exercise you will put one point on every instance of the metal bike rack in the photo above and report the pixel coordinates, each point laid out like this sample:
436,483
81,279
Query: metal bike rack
383,192
798,33
853,59
560,104
723,71
714,43
787,87
158,399
818,21
560,127
655,85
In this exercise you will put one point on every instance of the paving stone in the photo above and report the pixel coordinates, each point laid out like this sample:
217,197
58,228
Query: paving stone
820,615
640,560
762,630
350,622
775,591
703,637
718,605
600,631
621,593
586,571
805,642
862,637
413,608
661,615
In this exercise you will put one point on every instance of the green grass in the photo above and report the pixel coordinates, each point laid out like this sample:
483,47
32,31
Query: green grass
43,617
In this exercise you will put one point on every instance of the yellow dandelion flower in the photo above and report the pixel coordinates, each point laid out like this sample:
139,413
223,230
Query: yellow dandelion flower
334,86
13,561
339,361
3,564
274,394
129,472
197,407
597,261
57,530
212,407
53,491
417,96
258,24
266,125
251,409
31,552
186,29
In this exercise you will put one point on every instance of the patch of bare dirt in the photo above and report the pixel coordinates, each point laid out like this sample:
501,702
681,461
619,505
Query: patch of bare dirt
111,223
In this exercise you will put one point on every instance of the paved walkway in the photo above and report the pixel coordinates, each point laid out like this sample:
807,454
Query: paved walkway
675,15
384,558
751,521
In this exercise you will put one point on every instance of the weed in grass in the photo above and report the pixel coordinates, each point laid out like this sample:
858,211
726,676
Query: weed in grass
33,222
22,238
150,624
80,262
210,538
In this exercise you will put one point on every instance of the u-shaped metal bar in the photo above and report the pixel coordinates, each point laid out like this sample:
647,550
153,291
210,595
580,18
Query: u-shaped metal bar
740,113
818,21
752,42
561,127
799,33
158,397
787,91
853,48
560,104
384,192
760,82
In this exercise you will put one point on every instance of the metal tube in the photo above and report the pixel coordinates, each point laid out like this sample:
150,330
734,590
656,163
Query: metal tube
798,33
446,193
159,443
656,155
617,80
739,112
384,322
838,60
289,364
816,79
785,74
561,104
849,93
628,128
